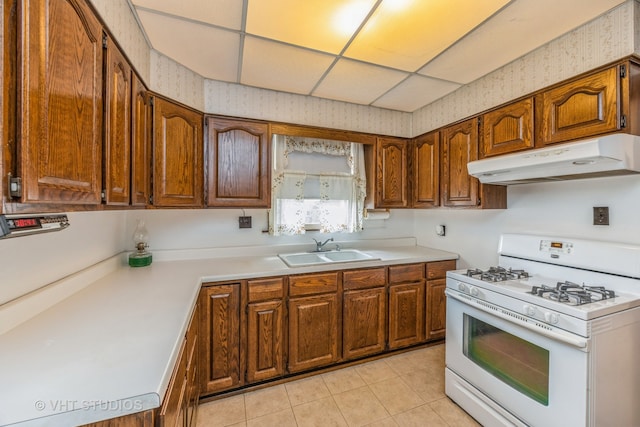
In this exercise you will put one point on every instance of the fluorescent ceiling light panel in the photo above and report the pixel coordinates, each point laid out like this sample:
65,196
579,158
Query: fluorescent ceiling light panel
407,38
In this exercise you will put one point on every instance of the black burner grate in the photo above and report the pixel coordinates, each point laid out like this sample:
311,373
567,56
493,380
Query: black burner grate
497,274
572,293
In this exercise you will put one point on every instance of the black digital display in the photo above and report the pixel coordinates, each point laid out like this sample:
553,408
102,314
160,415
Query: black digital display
557,245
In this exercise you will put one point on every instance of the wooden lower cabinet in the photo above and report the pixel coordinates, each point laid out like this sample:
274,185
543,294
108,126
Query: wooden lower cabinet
406,314
257,330
180,403
313,331
139,419
364,322
436,309
406,305
265,345
220,329
364,312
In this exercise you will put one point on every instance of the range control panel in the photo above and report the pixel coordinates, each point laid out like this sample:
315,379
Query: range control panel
14,225
555,247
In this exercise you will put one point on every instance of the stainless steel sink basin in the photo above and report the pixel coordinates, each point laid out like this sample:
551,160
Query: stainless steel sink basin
302,259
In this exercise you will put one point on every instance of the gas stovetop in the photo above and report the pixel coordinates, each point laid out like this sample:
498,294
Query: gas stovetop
565,291
581,298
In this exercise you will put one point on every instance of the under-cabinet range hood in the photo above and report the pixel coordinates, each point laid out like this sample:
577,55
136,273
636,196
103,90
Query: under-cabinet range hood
616,154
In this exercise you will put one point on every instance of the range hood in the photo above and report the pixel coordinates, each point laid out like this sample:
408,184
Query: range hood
616,154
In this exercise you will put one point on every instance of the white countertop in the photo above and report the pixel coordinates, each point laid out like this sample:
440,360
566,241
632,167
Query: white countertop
109,349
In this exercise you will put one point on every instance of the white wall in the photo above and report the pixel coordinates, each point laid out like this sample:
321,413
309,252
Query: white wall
557,208
215,228
30,262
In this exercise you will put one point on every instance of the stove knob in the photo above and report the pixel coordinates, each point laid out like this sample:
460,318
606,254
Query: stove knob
529,310
462,287
550,317
473,291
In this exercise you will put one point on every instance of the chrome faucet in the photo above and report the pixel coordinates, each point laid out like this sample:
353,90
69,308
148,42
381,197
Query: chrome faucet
320,246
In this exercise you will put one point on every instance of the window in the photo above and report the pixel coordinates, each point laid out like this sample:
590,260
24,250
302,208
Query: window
317,185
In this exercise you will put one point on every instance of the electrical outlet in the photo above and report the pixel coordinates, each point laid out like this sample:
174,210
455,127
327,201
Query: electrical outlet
244,221
601,215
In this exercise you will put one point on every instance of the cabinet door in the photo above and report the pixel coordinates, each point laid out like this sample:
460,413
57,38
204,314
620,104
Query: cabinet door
459,147
507,129
406,314
364,322
220,332
141,145
436,309
238,163
117,127
391,177
171,412
193,385
425,170
60,102
581,108
178,155
313,331
265,345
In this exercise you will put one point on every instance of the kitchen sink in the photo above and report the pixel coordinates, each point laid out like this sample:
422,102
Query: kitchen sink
303,259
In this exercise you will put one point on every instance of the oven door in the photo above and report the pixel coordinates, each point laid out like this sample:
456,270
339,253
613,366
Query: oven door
501,363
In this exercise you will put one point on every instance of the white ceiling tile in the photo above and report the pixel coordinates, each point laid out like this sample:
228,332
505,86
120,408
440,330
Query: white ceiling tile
225,13
515,31
313,24
356,82
406,38
277,66
290,44
209,51
415,92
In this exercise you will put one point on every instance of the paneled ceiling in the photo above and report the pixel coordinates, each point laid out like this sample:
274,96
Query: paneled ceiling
395,54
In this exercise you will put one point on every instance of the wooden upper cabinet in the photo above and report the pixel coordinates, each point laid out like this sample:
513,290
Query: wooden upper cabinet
60,107
459,146
425,170
507,129
238,163
391,176
178,155
140,144
117,127
581,108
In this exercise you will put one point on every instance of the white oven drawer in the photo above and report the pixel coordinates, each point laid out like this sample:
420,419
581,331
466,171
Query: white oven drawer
487,359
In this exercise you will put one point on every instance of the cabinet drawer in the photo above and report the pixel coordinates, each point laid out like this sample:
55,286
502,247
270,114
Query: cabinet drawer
360,279
310,284
266,289
438,269
406,273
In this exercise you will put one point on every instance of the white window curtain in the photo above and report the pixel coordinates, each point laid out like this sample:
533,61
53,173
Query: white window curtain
338,203
287,214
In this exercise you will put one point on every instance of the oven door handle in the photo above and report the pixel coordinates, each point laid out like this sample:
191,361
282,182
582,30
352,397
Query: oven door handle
500,312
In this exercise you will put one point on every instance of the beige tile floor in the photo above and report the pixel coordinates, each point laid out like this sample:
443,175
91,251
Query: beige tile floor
401,390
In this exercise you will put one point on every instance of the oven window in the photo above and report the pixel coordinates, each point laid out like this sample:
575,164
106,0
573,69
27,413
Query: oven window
517,362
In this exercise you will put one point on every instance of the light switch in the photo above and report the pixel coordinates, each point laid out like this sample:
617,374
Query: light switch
440,230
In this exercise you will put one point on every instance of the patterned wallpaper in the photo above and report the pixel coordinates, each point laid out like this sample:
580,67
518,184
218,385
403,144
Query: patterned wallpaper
238,100
603,40
176,81
122,24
